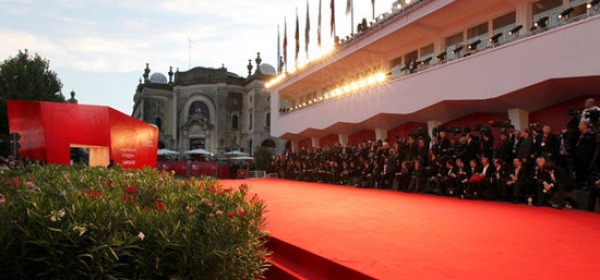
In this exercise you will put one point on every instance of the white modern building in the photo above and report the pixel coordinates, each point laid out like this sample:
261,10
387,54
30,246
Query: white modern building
435,62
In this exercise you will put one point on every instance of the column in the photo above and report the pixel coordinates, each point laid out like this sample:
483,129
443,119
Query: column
315,141
381,134
294,145
524,16
431,125
519,118
343,139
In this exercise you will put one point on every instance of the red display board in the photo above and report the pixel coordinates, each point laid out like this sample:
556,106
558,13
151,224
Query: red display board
48,130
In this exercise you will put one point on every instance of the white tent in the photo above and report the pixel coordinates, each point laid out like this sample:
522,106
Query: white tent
166,152
242,158
199,152
236,153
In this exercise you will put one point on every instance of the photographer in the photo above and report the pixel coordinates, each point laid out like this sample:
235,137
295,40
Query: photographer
585,150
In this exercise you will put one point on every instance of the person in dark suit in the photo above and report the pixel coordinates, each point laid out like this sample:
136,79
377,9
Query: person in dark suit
584,154
524,151
547,144
504,148
499,178
518,182
553,192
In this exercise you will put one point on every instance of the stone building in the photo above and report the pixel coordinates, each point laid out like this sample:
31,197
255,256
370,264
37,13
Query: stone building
208,108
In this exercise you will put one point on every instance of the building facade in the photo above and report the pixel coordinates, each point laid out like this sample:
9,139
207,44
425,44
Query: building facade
444,62
208,108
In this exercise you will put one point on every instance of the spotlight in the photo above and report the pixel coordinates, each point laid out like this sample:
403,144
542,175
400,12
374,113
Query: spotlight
457,49
565,13
426,61
541,23
515,30
494,39
473,45
592,3
441,56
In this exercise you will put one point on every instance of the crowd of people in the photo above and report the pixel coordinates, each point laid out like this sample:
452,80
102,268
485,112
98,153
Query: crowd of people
533,165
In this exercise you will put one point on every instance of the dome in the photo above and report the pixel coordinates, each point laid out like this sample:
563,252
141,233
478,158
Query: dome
267,69
158,78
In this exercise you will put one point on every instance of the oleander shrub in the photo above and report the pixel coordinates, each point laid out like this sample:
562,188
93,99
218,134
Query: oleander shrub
61,222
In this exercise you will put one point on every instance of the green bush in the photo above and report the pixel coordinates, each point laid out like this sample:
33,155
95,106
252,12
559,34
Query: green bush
60,222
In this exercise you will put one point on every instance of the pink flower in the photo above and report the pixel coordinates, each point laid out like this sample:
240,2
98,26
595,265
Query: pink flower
2,199
219,212
29,184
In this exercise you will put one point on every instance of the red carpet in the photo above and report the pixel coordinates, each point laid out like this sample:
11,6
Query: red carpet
393,235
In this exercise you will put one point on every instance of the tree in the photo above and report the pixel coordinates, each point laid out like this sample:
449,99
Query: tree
25,77
262,157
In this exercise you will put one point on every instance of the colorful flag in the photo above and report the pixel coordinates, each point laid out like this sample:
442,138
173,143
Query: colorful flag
285,43
307,30
332,24
319,27
297,36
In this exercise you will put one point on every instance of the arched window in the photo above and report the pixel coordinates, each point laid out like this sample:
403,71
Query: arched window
250,125
235,121
200,107
158,123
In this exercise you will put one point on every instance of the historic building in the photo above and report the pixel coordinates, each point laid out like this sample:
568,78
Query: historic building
208,108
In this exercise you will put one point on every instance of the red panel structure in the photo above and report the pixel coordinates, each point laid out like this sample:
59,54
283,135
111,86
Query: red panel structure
48,130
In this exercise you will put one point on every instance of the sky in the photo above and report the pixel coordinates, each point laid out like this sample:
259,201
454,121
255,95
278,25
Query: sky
99,49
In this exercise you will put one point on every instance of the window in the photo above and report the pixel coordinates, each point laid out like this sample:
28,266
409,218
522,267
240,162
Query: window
503,25
201,108
479,32
452,43
250,118
158,123
235,121
425,53
268,119
547,8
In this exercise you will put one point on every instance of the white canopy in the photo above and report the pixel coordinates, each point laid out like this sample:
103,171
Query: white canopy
236,153
242,158
166,152
199,152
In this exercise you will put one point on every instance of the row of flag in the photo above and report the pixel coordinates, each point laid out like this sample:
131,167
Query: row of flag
282,61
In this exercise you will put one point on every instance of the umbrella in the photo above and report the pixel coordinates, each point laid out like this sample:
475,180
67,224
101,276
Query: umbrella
199,152
236,153
165,152
242,158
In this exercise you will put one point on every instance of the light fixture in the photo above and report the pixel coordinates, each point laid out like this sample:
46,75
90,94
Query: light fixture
592,3
541,23
565,13
494,39
515,30
457,49
441,56
474,44
426,60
